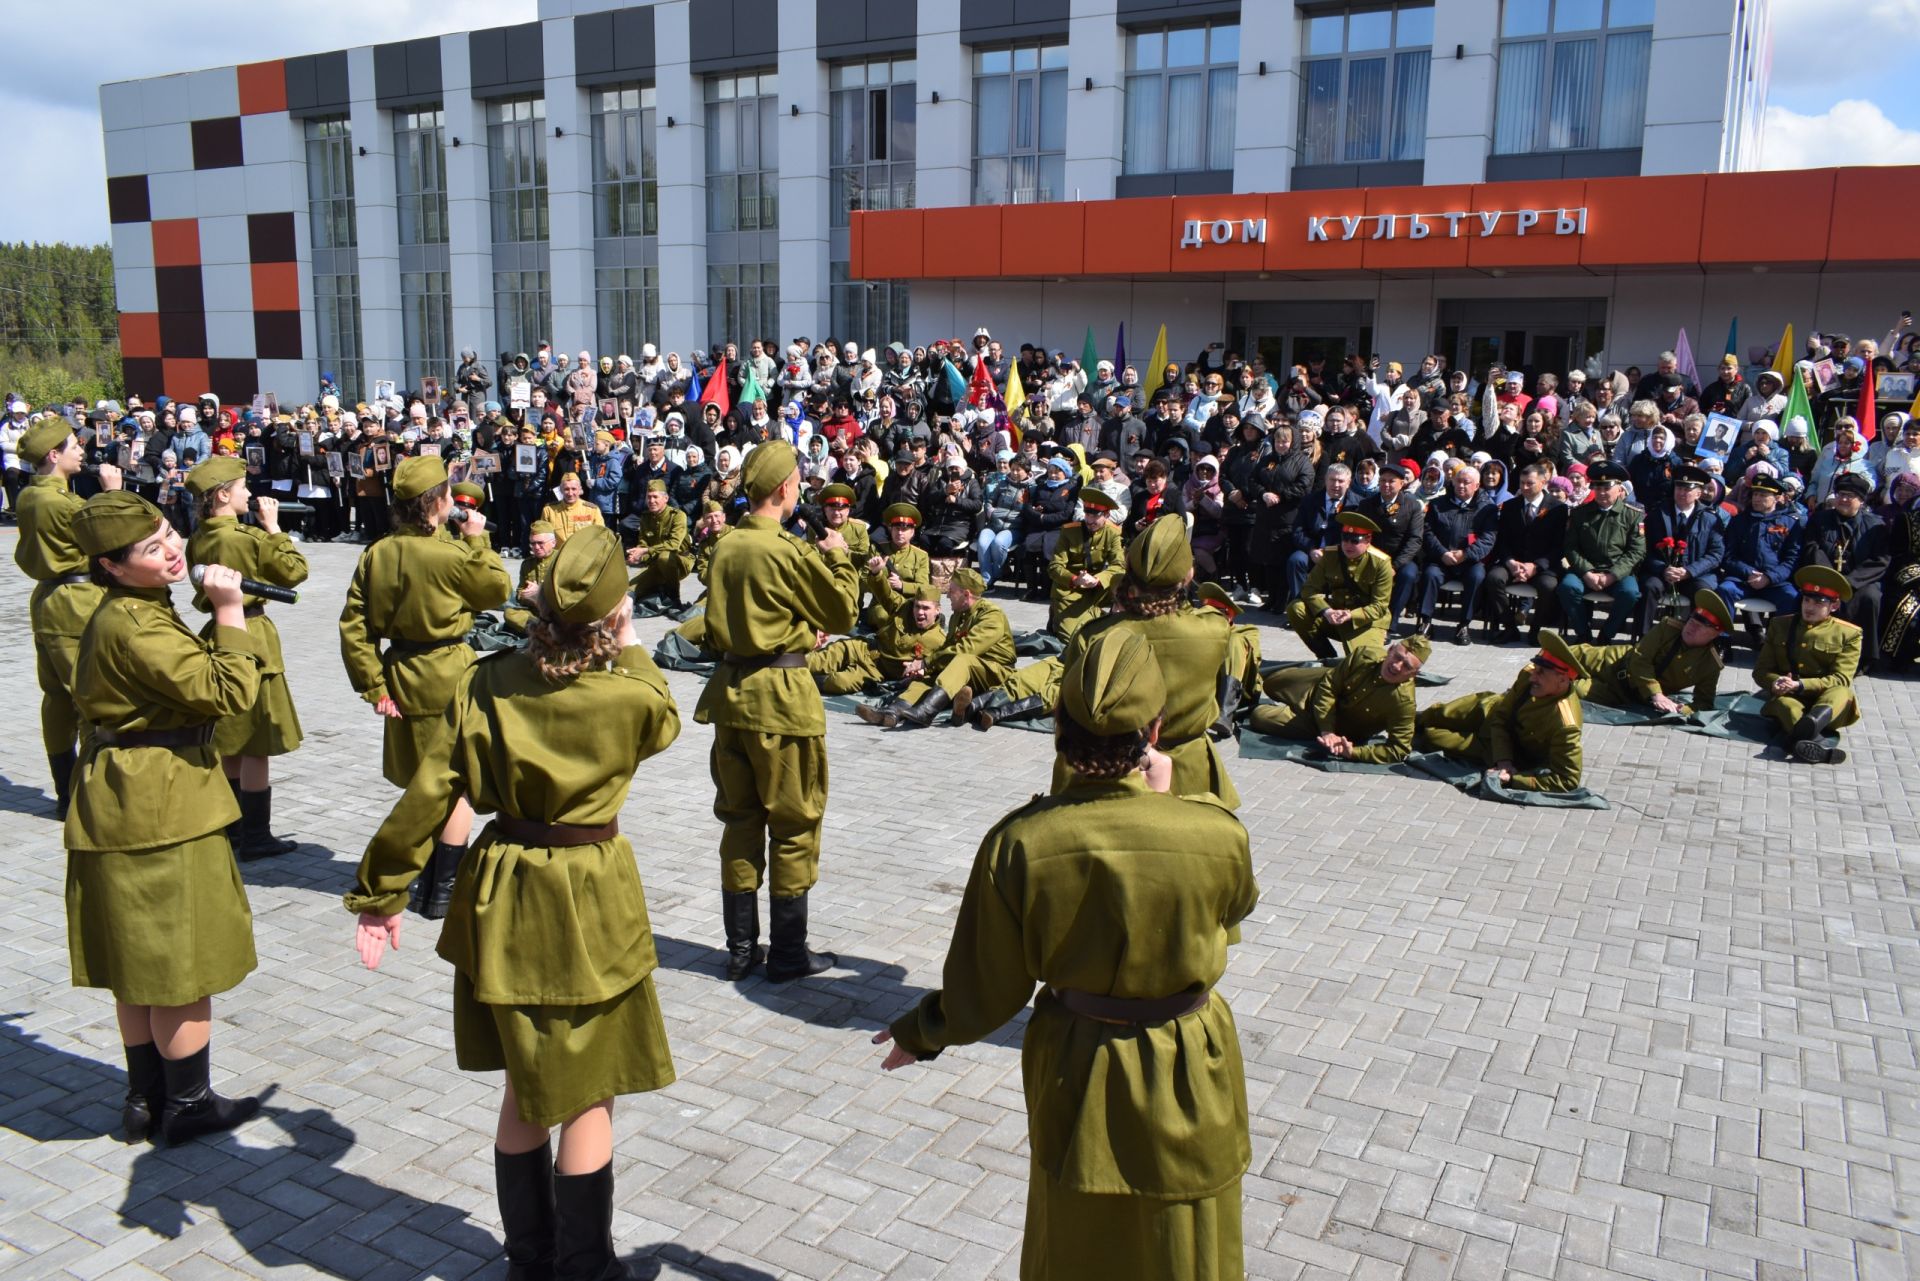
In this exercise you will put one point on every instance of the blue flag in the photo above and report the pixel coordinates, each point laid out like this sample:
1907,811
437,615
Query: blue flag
956,385
693,387
1120,351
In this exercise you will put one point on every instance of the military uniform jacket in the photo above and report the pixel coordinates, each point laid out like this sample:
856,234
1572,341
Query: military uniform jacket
859,540
1108,888
898,641
1662,663
769,592
46,552
703,555
1607,540
416,590
913,565
140,668
1352,701
1821,656
1700,530
983,632
1100,554
1541,736
533,569
527,927
1363,586
263,557
1858,548
664,533
1767,545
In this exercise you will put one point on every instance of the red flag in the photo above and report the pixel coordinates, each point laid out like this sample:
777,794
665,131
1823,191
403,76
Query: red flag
1865,414
715,392
982,386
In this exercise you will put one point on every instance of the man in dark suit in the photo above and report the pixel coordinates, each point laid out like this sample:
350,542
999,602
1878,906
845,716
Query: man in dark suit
1402,522
1526,549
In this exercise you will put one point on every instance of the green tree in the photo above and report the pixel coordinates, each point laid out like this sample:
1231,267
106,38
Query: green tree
59,326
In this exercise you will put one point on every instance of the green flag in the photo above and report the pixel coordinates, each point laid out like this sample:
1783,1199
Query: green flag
751,390
1797,404
1089,355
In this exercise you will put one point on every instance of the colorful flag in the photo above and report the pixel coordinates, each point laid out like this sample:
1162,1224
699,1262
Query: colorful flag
1783,356
1016,394
1151,380
956,385
1733,340
1798,405
693,386
1683,361
1866,415
982,387
751,390
716,389
1120,351
1089,355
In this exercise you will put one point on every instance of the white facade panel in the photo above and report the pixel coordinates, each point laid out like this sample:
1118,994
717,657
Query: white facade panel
126,151
213,94
269,138
169,148
134,288
132,249
173,195
223,239
230,334
165,100
221,192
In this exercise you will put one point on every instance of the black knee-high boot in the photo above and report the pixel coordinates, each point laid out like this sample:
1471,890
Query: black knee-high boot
524,1184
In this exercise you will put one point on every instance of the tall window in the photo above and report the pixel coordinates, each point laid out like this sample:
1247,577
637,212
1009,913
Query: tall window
517,159
1363,84
872,143
743,164
872,313
336,327
420,161
330,184
522,309
626,200
1181,86
628,304
1019,125
1573,74
743,302
426,323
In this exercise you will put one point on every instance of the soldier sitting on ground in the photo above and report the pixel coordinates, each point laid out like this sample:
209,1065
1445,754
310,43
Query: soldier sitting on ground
1529,736
1343,708
1085,562
912,633
978,655
1806,669
1348,593
1675,656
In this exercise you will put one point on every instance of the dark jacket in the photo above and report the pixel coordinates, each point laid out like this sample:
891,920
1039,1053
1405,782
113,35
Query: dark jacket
949,518
1402,530
1454,526
1314,525
1049,509
1536,542
1700,531
1767,545
1173,502
1859,548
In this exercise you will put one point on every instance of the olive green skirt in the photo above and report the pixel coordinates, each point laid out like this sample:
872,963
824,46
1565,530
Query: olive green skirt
407,741
269,728
160,927
1074,1235
563,1059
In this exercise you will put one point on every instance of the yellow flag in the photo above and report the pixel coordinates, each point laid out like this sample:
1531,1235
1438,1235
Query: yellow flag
1783,354
1156,365
1016,397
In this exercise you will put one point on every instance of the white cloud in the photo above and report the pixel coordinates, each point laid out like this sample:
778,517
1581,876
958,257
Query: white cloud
50,97
1819,44
1851,132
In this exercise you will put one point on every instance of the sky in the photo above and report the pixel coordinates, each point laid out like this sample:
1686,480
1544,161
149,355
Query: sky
1837,95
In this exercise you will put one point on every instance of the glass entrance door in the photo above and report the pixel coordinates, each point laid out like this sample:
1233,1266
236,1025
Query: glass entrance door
1281,349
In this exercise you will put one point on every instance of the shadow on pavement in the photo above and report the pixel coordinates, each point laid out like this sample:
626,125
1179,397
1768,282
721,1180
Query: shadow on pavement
647,1264
858,992
25,798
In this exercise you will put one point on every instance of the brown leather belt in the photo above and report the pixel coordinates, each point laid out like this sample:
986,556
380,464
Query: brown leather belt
407,648
69,580
1130,1011
187,736
524,831
254,611
765,660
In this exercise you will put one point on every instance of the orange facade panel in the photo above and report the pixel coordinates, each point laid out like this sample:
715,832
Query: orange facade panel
1437,250
887,246
1783,217
276,286
1643,222
1043,240
1869,206
139,333
263,87
962,241
1293,243
1506,207
176,242
1130,237
184,379
1216,233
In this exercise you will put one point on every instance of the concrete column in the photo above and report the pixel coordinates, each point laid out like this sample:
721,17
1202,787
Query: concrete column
1461,92
682,153
804,141
1687,74
1266,125
943,174
1096,117
382,345
469,217
569,196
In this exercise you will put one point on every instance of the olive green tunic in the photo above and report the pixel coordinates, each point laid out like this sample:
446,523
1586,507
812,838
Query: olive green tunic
769,593
1039,678
669,551
703,555
1100,554
417,593
1139,1133
1630,675
913,565
846,666
1193,648
1338,581
533,569
859,539
1823,656
978,654
57,611
271,727
1349,699
552,946
1541,736
155,908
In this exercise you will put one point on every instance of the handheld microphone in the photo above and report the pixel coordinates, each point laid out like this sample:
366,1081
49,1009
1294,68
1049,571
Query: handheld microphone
285,595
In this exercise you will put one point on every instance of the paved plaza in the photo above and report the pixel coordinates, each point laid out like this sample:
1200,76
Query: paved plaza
1675,1039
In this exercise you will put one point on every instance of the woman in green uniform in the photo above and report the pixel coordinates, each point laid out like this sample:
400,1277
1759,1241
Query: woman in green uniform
417,591
1121,899
548,934
270,727
155,909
